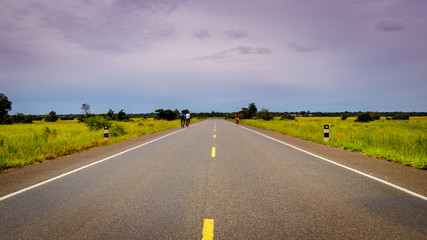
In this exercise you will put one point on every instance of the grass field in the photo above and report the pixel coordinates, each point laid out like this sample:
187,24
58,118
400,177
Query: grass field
25,144
394,140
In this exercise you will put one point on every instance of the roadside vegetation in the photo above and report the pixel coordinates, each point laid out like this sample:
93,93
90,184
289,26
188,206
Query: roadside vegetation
27,139
403,141
25,144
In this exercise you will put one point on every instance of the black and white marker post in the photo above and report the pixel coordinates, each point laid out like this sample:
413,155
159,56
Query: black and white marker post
326,133
105,131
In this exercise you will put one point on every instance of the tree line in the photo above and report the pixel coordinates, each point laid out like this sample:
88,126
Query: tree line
249,112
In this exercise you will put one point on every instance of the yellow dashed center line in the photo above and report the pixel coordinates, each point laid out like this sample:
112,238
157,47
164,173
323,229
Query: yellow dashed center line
208,229
213,151
214,136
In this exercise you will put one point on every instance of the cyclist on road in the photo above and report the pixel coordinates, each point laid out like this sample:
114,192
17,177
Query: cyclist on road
187,116
182,119
237,116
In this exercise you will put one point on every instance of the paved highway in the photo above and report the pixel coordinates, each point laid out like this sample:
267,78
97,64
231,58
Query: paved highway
211,179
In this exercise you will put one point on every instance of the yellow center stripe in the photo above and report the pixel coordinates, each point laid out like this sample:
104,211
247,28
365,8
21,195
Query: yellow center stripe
208,229
213,151
214,136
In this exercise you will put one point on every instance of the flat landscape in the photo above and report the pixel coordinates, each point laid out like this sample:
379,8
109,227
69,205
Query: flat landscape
214,180
117,119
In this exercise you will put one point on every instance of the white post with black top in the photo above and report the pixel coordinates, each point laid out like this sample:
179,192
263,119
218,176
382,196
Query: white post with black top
326,133
106,133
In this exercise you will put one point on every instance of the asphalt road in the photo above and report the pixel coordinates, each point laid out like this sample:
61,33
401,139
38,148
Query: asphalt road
252,187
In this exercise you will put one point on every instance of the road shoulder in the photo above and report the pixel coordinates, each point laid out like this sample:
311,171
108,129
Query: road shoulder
404,176
19,178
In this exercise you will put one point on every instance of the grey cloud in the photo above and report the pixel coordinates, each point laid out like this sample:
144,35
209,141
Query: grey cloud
388,26
301,48
251,50
236,34
236,50
202,34
120,26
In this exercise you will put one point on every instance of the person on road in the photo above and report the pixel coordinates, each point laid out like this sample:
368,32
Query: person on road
237,116
187,116
182,120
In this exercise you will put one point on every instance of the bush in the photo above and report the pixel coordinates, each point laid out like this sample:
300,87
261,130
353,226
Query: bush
121,116
265,114
166,114
83,118
401,116
51,117
95,123
21,118
67,117
117,130
364,117
45,135
375,116
7,120
37,117
287,116
344,117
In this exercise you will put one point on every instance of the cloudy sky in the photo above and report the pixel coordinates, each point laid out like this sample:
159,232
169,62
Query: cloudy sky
204,55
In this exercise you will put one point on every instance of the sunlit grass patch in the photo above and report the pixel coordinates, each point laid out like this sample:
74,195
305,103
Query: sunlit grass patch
25,144
403,141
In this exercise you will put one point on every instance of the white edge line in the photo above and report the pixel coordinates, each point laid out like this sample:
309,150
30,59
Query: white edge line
81,168
343,166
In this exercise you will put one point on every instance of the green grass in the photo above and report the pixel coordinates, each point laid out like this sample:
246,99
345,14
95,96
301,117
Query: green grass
399,141
25,144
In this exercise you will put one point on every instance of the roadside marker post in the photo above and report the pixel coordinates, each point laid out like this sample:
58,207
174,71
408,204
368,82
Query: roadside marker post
106,133
326,133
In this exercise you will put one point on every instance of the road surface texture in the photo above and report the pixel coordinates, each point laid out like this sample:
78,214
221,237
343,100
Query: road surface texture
216,177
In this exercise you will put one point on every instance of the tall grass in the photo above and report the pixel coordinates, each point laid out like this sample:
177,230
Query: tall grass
398,141
24,144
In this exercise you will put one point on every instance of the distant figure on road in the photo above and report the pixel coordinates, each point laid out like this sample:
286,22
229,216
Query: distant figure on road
182,119
237,116
226,115
187,116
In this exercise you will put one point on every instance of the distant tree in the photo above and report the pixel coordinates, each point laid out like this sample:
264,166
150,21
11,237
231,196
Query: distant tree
5,107
375,115
170,115
252,110
287,116
51,117
265,114
245,113
165,114
110,115
86,108
160,113
95,123
21,118
121,116
401,116
177,113
67,117
364,117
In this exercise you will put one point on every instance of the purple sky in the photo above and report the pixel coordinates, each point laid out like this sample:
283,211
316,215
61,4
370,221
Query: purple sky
284,55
